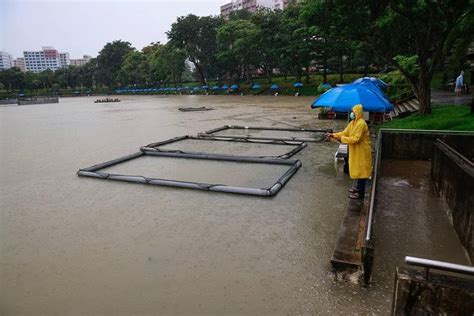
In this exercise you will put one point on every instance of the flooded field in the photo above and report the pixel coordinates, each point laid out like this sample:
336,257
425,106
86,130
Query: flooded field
71,245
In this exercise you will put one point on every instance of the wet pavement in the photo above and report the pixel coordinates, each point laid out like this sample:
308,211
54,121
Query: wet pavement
71,245
449,97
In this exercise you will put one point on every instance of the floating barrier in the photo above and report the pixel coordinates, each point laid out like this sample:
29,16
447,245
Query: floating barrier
294,165
106,100
211,133
37,100
156,147
195,109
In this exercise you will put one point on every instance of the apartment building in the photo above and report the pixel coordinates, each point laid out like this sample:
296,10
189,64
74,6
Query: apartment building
47,58
6,60
251,5
81,61
20,63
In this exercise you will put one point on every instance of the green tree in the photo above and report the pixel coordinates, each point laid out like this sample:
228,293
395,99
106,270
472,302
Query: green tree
298,47
167,64
135,69
88,73
403,28
237,40
196,36
109,61
267,38
12,78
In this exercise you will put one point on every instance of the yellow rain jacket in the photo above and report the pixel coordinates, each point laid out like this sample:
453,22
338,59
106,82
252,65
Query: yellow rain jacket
357,136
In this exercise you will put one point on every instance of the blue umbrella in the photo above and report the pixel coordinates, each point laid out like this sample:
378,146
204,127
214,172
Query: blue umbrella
196,89
297,85
342,99
326,85
215,88
376,81
256,86
234,86
370,85
205,87
225,87
275,87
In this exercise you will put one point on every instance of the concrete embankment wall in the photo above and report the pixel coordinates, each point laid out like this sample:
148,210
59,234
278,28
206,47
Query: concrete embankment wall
9,101
38,100
419,144
453,176
437,295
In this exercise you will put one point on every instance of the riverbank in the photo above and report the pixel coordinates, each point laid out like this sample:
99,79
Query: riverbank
443,117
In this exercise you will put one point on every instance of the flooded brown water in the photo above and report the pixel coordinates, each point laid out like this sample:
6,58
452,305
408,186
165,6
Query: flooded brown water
411,219
71,245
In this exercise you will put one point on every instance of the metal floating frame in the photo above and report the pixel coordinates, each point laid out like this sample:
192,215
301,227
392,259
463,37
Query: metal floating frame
210,133
294,165
155,147
194,109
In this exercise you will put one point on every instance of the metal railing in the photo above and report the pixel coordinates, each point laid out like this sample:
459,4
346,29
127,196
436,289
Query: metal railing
428,264
455,152
370,216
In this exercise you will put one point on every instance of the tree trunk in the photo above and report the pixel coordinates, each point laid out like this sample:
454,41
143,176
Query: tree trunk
325,66
424,88
269,72
201,74
307,74
341,78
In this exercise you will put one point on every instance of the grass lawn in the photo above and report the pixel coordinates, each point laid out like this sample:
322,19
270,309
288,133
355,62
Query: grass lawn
445,117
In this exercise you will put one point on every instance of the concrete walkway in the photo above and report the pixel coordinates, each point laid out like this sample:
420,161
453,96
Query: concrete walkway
449,97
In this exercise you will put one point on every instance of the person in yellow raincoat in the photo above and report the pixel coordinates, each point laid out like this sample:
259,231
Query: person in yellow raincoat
357,136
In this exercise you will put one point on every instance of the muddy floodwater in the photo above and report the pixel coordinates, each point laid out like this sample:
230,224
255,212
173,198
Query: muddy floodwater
71,245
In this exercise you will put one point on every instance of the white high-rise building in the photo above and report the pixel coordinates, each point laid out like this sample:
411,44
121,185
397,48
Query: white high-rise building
48,58
6,60
251,5
64,60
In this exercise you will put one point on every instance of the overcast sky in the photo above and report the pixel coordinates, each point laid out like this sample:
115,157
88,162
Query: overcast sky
83,27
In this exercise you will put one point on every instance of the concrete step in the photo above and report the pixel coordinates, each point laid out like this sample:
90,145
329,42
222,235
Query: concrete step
347,256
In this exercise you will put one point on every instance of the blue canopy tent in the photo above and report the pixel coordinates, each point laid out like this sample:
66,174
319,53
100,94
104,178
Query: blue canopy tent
342,99
297,85
196,89
234,86
256,86
215,88
225,87
275,87
376,81
205,87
